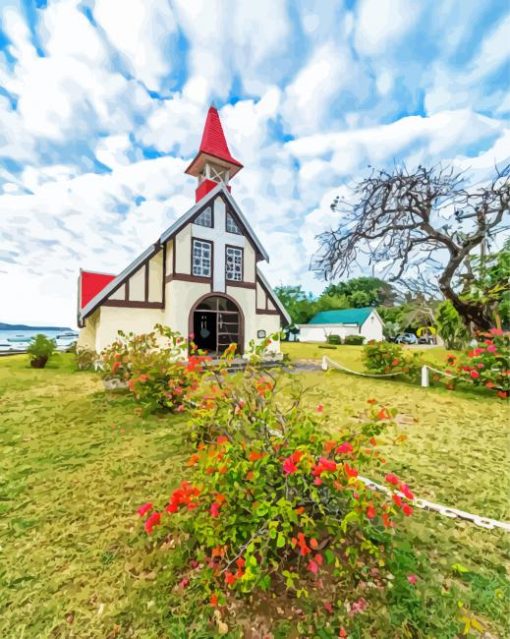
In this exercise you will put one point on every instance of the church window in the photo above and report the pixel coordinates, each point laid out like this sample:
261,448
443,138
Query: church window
231,225
202,262
234,264
205,218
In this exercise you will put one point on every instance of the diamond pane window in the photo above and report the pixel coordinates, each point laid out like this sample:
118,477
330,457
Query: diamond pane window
205,218
202,252
234,264
231,225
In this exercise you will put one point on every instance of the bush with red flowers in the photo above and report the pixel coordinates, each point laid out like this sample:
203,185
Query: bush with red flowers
386,357
487,364
270,502
155,367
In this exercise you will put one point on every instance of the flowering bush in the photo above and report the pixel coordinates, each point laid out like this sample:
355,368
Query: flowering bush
271,503
85,359
487,364
155,368
387,357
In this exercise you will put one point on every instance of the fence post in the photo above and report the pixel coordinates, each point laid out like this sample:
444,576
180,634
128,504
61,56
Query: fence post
424,377
324,364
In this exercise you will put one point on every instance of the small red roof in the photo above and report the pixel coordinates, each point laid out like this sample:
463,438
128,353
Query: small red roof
214,143
91,284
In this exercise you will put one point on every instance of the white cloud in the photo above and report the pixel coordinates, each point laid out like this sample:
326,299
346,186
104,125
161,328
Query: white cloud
381,24
141,32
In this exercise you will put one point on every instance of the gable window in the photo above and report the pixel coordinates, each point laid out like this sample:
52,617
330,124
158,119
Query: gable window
234,264
202,258
205,218
231,225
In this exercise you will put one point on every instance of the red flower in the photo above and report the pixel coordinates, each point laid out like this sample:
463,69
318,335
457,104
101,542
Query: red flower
371,401
391,478
153,520
301,542
255,456
230,578
350,471
502,394
313,567
345,448
322,466
412,579
328,607
143,510
184,583
496,331
215,509
387,523
492,348
221,439
371,512
317,481
395,362
407,510
383,414
405,490
474,374
397,500
320,408
213,600
289,467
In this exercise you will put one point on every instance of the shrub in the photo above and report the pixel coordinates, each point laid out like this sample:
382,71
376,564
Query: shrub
155,368
85,358
386,357
271,502
450,326
40,350
354,340
334,339
487,364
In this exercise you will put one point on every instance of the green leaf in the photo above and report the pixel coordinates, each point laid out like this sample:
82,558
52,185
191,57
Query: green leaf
280,542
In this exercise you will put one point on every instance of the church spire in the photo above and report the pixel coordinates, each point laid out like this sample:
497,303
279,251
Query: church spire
213,163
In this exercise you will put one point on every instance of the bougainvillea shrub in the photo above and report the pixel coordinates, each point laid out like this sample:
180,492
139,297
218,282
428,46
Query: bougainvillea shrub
162,369
386,357
271,503
487,364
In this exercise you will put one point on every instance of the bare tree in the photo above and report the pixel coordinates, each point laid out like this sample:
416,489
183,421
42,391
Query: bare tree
416,222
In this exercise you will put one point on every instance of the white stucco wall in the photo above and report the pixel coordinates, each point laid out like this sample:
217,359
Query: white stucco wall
136,320
156,278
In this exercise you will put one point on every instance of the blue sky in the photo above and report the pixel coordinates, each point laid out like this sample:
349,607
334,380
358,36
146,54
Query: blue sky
102,104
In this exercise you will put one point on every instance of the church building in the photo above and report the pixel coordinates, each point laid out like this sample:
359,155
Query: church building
200,277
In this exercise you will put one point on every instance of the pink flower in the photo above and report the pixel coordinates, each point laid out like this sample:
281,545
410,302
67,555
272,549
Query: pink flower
358,607
492,348
313,566
496,331
289,467
143,510
153,520
214,510
412,579
184,583
345,448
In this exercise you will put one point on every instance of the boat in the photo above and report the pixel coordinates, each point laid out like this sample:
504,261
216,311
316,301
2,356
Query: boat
18,338
68,335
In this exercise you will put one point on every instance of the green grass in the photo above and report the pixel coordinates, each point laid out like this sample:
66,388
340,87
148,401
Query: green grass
76,463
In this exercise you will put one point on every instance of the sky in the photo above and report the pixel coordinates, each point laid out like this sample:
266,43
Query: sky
102,105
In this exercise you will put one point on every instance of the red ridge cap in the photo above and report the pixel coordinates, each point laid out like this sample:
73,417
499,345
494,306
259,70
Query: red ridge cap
91,284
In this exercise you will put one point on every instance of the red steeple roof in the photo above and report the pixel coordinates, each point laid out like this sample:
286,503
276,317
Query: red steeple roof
91,284
214,144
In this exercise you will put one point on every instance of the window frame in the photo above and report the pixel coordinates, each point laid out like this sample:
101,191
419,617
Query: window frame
211,259
237,248
228,215
205,226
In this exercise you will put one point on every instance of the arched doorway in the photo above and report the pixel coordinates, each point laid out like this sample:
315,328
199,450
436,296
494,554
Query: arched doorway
216,321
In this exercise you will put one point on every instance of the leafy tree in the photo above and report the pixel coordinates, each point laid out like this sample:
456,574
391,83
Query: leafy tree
416,220
299,304
364,291
450,326
489,283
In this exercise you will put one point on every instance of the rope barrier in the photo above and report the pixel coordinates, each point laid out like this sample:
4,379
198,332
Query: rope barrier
327,362
452,513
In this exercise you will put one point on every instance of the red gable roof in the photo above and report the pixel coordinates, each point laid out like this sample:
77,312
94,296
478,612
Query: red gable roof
214,142
91,284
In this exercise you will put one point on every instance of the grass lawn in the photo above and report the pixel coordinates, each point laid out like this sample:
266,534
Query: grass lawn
76,463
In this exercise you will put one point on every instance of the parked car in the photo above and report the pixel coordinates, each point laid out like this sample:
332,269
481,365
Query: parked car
406,338
426,339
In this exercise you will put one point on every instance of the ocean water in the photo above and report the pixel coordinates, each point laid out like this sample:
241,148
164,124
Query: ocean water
26,335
